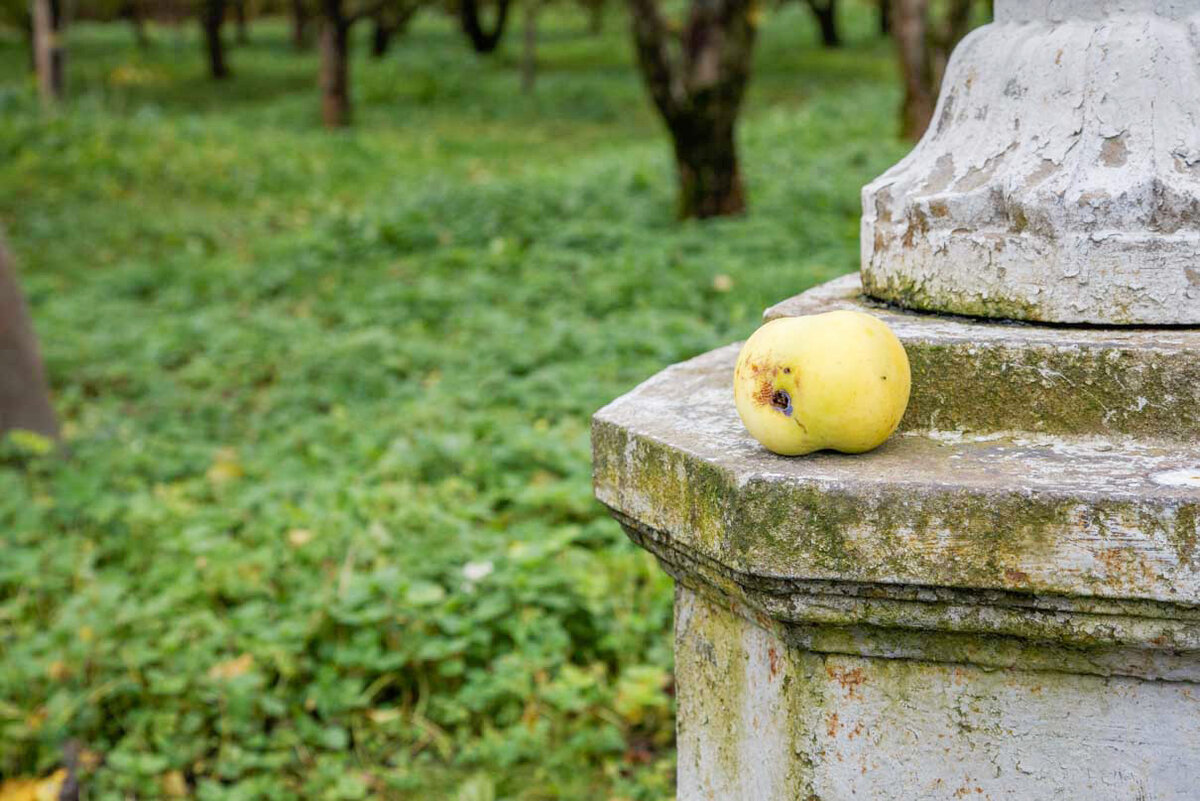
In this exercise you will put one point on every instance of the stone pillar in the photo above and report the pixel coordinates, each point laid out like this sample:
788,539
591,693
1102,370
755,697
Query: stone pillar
1003,601
1060,178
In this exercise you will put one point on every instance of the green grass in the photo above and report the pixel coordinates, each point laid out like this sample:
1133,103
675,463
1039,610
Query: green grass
307,378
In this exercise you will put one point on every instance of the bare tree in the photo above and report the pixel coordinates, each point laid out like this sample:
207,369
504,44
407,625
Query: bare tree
212,20
24,396
529,49
697,78
49,49
241,15
825,12
390,21
472,25
334,42
300,24
595,12
133,11
924,44
337,18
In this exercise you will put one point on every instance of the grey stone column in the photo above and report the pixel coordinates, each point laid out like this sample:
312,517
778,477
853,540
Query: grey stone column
1003,601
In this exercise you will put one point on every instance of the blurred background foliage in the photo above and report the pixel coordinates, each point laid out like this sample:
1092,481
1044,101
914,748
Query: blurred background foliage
325,529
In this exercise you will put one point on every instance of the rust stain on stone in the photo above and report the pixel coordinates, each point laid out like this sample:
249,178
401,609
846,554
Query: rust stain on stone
1015,576
918,225
851,679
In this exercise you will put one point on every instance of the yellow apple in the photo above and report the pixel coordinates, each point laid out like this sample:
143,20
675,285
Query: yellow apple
837,380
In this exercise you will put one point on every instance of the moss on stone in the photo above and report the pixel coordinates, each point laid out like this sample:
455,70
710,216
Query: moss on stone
963,386
911,294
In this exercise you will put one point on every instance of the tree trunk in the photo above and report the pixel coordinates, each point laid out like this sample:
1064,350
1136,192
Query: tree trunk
49,51
300,24
24,396
482,41
885,17
212,19
529,51
698,88
596,17
956,26
390,22
381,36
911,29
31,40
243,28
137,20
826,13
710,183
335,68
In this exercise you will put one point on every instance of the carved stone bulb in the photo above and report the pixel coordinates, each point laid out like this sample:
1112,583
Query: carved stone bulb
1060,179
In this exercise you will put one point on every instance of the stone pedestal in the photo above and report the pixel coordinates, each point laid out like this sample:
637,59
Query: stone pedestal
1002,602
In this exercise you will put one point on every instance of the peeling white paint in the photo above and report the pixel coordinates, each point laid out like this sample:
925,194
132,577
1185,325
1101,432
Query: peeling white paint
803,725
1060,178
1185,477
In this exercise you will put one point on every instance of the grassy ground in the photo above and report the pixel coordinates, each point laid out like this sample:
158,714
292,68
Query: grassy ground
326,531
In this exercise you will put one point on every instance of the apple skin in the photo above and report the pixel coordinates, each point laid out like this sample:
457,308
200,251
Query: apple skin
838,380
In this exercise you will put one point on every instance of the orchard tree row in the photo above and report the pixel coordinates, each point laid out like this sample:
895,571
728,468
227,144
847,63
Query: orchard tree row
695,63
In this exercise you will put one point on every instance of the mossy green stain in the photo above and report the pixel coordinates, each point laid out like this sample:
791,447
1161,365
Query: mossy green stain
1072,391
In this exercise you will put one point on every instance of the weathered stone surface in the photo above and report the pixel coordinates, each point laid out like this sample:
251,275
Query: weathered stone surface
981,375
938,624
1028,513
1060,179
1003,601
762,720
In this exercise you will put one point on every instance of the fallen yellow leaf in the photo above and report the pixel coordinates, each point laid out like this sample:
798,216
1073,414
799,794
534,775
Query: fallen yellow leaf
383,715
225,467
47,789
174,785
88,760
299,537
231,668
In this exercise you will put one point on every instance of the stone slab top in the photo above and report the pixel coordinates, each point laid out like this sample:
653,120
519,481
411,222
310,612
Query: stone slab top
1080,517
980,375
847,293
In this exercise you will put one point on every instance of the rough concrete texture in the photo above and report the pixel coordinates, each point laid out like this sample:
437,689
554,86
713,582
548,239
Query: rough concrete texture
1060,179
990,629
761,720
978,375
1019,512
